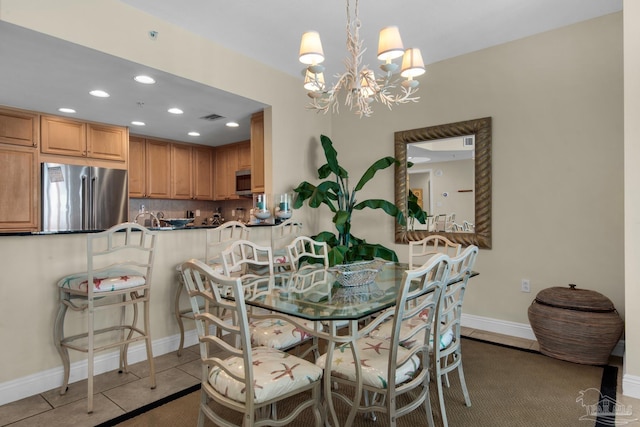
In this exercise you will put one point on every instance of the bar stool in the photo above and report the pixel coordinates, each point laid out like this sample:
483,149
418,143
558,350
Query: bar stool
119,267
218,239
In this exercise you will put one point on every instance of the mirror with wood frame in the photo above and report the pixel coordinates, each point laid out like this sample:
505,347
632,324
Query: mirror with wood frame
480,129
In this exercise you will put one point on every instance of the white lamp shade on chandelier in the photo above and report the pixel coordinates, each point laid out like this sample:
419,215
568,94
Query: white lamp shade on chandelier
359,83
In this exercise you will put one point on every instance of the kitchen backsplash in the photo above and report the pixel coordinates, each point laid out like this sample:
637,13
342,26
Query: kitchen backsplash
179,208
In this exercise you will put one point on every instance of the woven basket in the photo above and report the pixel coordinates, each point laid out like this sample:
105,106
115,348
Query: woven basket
576,325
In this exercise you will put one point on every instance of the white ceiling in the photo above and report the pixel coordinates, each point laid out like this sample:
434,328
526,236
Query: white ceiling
41,73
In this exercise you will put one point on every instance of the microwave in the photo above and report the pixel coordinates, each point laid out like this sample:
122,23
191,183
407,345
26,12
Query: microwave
243,182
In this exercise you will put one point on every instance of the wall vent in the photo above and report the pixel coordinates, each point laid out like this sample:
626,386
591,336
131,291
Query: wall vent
212,117
468,141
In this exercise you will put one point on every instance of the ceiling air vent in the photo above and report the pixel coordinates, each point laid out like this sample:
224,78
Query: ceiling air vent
212,117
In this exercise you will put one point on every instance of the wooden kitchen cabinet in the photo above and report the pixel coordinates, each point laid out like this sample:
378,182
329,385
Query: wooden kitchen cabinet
181,172
149,168
107,142
158,177
67,137
244,155
203,168
19,190
137,167
257,153
19,127
63,136
226,164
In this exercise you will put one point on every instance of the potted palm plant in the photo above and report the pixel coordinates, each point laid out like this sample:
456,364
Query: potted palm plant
336,194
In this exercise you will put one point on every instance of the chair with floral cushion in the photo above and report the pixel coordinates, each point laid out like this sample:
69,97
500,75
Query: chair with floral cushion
217,239
387,369
281,235
448,356
242,259
229,371
421,250
119,267
305,249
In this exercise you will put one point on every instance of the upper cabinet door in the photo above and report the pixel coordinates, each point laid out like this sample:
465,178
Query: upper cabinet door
202,173
63,136
137,167
244,155
107,142
19,128
158,169
181,172
257,153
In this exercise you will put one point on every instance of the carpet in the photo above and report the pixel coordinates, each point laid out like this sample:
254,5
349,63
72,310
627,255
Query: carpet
508,387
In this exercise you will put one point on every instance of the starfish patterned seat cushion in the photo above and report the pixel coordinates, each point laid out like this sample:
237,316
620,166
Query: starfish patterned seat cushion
274,372
278,333
107,281
384,332
374,361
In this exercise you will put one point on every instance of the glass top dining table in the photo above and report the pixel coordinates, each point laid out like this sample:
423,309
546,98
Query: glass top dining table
315,293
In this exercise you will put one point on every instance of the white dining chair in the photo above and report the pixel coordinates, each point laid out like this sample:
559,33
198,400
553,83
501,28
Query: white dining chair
246,379
216,239
448,355
282,235
254,265
392,370
421,250
307,250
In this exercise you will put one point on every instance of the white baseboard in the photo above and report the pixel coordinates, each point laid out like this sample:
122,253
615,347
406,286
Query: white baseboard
630,383
40,382
520,330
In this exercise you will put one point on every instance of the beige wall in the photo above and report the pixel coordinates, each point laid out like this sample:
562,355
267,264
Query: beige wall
556,102
631,383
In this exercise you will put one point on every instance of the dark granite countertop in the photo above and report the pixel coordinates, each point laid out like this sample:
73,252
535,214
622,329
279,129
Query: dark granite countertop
193,227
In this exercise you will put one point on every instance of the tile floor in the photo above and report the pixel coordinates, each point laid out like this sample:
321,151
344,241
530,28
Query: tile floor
117,394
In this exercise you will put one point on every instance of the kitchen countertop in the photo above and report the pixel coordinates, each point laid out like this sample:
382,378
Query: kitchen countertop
193,227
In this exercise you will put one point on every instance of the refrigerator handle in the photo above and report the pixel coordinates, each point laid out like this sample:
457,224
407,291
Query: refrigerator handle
93,204
84,206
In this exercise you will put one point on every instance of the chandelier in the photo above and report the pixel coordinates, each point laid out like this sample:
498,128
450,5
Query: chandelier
359,83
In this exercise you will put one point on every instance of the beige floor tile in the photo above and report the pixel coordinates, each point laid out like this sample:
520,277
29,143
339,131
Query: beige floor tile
78,390
162,363
23,408
193,368
75,414
137,394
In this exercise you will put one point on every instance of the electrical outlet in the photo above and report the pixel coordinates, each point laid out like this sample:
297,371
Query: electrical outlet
525,286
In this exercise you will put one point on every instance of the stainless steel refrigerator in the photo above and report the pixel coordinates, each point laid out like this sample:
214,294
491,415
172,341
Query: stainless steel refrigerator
76,198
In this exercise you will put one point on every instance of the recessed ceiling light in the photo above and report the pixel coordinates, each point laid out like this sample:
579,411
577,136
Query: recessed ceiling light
99,93
192,133
66,110
138,123
147,80
232,124
175,110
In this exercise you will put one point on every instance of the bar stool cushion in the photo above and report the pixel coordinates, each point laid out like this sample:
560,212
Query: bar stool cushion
278,333
275,373
107,281
374,358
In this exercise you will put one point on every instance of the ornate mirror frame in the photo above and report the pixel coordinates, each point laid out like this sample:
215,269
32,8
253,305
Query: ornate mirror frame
481,128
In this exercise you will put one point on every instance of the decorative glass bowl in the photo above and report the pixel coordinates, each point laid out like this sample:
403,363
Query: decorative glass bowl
357,273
